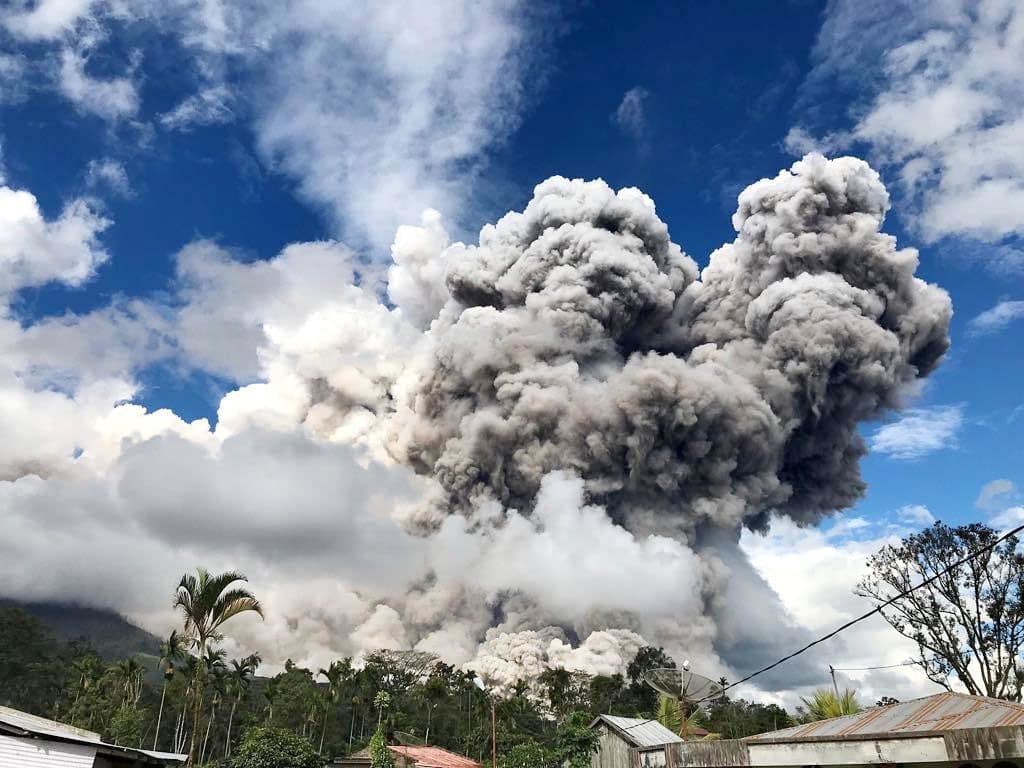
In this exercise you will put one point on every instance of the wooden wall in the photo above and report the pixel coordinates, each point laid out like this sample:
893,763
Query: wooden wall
613,751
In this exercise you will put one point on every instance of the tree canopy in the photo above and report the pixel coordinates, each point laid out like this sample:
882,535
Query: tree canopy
969,623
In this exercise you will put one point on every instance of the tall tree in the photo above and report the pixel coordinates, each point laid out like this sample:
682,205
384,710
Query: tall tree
207,602
240,678
171,651
967,623
337,674
129,673
217,672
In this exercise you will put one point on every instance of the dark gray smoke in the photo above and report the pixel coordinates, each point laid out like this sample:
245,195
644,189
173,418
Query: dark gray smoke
579,337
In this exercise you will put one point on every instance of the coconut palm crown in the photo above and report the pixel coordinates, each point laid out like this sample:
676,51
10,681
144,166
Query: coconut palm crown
207,601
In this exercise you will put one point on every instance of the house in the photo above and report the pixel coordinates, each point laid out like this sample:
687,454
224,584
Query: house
410,757
946,730
28,740
627,742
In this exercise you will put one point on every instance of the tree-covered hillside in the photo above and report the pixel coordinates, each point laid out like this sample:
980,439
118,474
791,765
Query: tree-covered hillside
111,635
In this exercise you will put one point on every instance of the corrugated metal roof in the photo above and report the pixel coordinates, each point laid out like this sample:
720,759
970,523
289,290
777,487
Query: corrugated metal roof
20,724
434,757
940,712
23,721
641,733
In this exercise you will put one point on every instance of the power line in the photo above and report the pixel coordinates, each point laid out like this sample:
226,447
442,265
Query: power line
883,666
877,609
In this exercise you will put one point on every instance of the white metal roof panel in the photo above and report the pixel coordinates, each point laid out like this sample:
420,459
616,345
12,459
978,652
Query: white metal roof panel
640,732
40,753
43,727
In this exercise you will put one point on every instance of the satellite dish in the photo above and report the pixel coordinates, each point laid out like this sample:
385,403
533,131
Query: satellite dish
684,686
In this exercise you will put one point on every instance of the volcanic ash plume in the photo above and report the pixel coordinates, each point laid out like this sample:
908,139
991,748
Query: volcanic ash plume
589,409
578,337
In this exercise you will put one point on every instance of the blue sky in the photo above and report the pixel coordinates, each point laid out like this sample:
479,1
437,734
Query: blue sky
243,128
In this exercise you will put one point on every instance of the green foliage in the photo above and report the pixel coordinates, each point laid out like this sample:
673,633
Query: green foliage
44,676
32,662
529,754
737,718
380,755
642,700
274,748
575,742
670,714
824,703
127,726
292,693
108,633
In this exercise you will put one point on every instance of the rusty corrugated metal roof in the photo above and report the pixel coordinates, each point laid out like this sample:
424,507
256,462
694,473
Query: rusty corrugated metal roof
434,757
932,714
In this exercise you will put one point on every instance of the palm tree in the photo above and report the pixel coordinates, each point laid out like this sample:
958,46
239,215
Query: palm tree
217,671
88,671
270,693
129,673
240,678
191,673
207,603
337,674
825,703
670,714
170,651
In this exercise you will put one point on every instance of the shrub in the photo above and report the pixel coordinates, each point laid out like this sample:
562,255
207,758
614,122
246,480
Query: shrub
275,748
380,756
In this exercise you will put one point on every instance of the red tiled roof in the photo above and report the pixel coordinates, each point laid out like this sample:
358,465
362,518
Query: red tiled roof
434,757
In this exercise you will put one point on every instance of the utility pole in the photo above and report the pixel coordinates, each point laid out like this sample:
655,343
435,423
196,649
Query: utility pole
835,687
494,736
494,728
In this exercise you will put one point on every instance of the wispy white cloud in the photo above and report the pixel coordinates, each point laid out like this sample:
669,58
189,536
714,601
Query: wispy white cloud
112,98
919,431
631,114
378,111
995,494
995,319
944,113
45,19
207,107
109,173
915,514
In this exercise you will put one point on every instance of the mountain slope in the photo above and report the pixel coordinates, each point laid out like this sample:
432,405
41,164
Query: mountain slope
110,634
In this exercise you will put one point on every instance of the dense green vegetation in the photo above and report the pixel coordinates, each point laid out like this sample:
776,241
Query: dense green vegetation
191,697
109,634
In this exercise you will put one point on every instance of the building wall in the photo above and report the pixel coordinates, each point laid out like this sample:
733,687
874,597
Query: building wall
38,753
612,752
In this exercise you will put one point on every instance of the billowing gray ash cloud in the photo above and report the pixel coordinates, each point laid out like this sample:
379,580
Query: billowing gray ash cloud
578,337
577,375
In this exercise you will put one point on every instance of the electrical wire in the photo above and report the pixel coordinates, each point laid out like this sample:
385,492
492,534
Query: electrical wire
877,609
884,666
